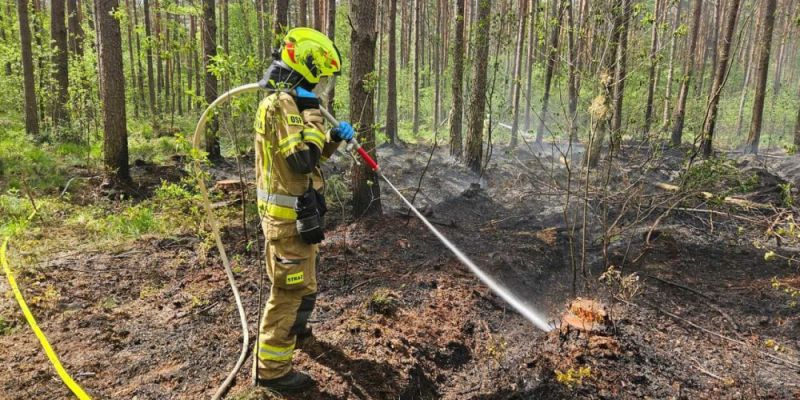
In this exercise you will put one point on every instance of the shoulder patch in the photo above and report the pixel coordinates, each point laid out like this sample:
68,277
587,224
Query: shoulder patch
294,119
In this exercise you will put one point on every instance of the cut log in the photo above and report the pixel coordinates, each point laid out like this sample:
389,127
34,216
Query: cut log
708,196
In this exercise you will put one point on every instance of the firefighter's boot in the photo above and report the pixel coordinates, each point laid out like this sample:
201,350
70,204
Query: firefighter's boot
293,382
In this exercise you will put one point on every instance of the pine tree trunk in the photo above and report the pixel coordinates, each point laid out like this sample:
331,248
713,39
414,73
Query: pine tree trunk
797,125
262,30
151,89
776,85
456,141
391,77
621,75
226,43
209,52
366,188
532,38
319,15
746,81
75,28
280,21
60,60
721,70
302,11
762,63
331,31
477,106
129,33
31,110
517,76
572,78
671,70
651,72
157,36
680,108
140,78
112,94
549,69
417,60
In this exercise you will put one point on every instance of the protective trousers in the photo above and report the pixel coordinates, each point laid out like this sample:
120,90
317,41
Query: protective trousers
291,266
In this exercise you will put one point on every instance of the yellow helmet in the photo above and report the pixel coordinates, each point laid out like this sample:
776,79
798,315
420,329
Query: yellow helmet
311,54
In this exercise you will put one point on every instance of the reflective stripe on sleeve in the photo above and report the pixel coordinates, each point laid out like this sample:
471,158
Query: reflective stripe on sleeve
274,210
314,136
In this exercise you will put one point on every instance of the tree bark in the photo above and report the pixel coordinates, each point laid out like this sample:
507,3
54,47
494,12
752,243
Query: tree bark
151,89
651,72
762,63
720,72
226,43
262,31
680,108
112,94
517,75
549,69
209,52
456,119
302,11
31,110
748,72
366,188
572,78
417,61
621,75
391,77
671,70
280,21
60,60
75,29
477,106
140,78
532,38
129,33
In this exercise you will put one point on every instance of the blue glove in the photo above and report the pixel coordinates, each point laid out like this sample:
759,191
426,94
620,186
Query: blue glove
304,94
343,132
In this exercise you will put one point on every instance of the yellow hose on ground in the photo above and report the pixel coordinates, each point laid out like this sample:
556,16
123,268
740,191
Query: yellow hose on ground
51,355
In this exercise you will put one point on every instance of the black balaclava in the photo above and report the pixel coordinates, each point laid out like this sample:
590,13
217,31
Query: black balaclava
280,77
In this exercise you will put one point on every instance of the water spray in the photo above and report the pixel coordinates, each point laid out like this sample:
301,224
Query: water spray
498,288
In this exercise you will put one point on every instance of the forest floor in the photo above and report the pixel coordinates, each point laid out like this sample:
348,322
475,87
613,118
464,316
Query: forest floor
399,317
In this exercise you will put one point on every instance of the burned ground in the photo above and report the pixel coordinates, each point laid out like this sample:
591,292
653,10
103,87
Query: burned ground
399,317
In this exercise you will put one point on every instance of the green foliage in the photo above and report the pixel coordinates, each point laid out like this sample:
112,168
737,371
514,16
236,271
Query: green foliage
134,221
573,377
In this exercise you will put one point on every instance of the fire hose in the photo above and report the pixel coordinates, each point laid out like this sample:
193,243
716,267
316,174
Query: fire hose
352,144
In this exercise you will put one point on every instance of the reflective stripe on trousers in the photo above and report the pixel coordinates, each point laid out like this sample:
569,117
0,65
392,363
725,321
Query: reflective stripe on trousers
277,205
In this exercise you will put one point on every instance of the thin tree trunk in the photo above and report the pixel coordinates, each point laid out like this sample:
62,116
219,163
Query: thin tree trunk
549,69
140,78
319,15
151,89
748,69
159,61
75,28
456,141
60,60
280,21
797,125
112,94
776,85
572,78
720,73
391,77
226,44
366,189
477,106
680,108
209,52
621,75
765,42
671,70
651,73
331,31
517,75
302,11
417,61
129,33
532,38
31,110
262,30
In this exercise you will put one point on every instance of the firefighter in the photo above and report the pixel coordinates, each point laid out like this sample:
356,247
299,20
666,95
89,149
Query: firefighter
290,144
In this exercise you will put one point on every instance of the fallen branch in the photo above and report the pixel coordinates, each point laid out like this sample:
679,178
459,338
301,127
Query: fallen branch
727,199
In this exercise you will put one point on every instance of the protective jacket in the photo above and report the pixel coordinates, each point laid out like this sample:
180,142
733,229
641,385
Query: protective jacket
290,143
